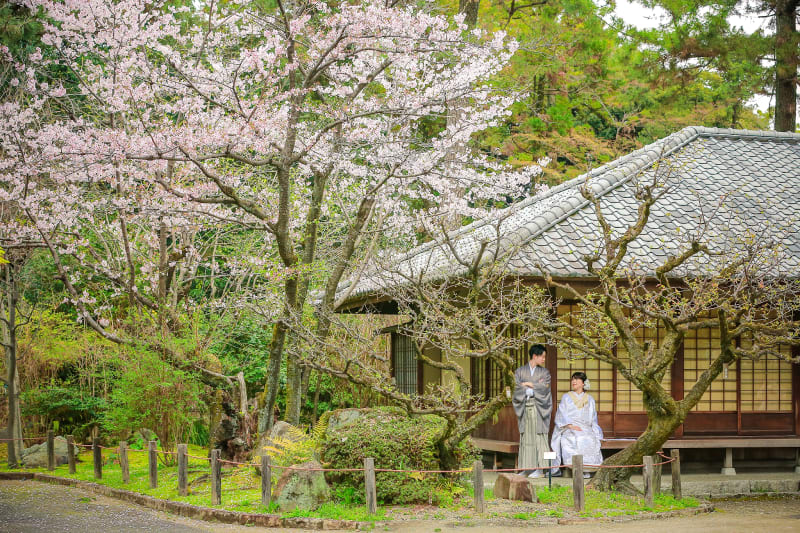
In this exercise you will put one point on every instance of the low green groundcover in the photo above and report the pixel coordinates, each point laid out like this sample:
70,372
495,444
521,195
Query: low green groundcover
598,503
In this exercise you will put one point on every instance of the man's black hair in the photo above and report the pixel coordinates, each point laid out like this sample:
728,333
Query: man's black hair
536,349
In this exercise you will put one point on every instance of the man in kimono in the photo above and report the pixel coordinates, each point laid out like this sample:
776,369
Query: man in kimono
533,404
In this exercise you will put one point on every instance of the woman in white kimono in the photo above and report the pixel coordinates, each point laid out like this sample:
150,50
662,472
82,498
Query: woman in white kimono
576,429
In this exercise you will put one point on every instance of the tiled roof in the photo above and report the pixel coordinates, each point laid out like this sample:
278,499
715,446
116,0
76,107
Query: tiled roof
723,186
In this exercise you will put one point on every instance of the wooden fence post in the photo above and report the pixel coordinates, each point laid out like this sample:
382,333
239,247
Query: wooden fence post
647,479
123,462
183,475
216,478
51,451
657,474
266,481
480,505
369,484
152,457
675,454
97,458
71,453
577,482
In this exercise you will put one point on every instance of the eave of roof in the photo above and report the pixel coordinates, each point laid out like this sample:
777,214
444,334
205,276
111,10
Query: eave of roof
563,201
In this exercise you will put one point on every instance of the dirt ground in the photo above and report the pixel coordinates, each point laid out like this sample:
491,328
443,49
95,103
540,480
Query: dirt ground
27,506
763,516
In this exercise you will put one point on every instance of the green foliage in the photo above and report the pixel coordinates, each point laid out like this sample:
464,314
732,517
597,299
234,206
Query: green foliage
18,26
293,448
74,412
591,93
151,394
244,347
395,442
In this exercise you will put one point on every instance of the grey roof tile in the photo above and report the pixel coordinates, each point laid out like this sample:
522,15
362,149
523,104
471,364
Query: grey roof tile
756,172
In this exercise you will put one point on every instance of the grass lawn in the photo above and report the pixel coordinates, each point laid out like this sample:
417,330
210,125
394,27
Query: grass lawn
598,503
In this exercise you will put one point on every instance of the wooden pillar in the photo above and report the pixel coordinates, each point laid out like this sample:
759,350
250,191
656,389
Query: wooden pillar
97,458
51,450
124,466
647,479
152,463
216,478
675,454
797,461
369,485
577,482
266,481
71,453
727,467
480,505
183,474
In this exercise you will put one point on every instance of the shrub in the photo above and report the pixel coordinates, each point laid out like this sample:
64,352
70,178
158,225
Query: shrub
152,394
74,411
394,441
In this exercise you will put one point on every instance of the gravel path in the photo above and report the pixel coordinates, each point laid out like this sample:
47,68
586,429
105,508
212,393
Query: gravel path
27,506
30,506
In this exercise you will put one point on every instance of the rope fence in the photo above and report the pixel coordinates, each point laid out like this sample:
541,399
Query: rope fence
651,470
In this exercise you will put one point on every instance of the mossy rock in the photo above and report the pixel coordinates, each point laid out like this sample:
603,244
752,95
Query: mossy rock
394,441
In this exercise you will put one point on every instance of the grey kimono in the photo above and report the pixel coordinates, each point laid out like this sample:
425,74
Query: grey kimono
540,378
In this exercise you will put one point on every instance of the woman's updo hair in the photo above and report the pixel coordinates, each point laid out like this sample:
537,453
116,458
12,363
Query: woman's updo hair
581,376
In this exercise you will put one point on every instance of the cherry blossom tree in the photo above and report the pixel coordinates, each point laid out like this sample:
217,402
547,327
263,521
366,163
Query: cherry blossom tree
298,123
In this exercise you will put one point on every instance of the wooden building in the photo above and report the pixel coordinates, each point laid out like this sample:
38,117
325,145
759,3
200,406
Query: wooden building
751,406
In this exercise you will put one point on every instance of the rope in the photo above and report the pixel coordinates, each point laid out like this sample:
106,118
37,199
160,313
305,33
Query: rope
395,470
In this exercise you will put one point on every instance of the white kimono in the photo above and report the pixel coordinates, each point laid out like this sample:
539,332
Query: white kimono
567,442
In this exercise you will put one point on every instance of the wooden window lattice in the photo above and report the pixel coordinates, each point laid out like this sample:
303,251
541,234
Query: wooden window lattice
405,363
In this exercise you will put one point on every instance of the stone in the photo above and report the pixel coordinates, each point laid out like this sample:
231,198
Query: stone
514,487
343,417
301,489
281,430
773,485
36,455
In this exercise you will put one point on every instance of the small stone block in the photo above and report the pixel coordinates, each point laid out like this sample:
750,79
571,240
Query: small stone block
726,471
513,487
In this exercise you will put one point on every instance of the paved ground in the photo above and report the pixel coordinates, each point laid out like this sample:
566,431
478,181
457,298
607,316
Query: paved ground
27,506
30,506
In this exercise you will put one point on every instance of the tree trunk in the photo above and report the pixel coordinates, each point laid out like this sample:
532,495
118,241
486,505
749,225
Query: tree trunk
265,417
470,10
659,428
294,394
9,327
786,63
447,456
